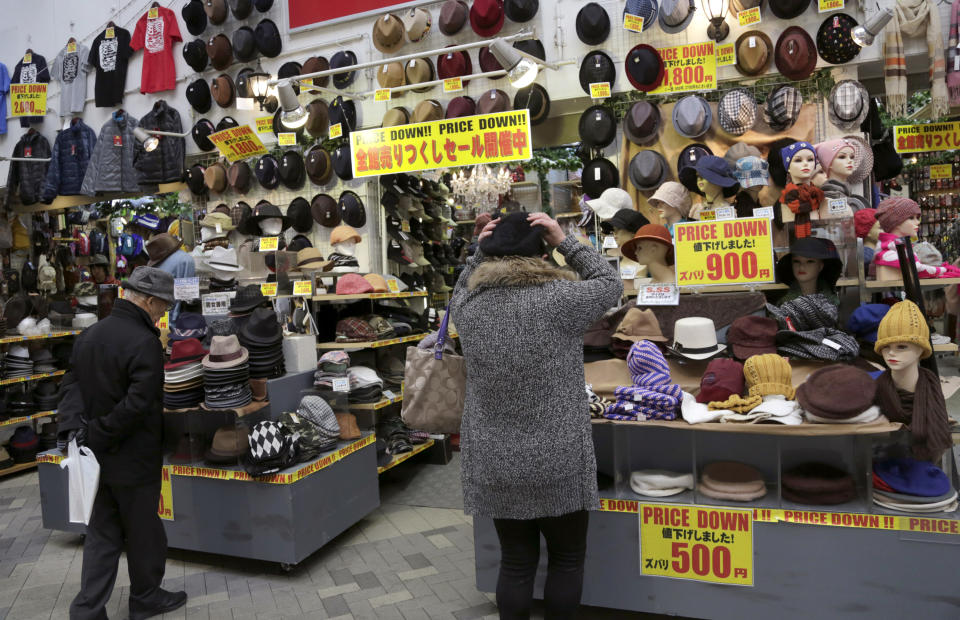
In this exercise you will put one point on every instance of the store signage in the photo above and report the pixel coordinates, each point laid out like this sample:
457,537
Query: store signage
708,216
725,213
287,139
920,138
216,303
687,68
829,5
465,141
269,244
941,171
303,288
697,543
724,252
265,124
763,212
268,289
165,509
28,99
633,23
244,103
658,295
599,90
381,94
751,17
238,143
726,55
452,85
186,288
336,130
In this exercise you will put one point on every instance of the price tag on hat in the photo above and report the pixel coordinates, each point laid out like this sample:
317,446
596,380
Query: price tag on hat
153,13
452,85
381,94
658,295
763,212
268,289
628,272
336,130
725,213
269,244
341,384
265,124
303,288
599,90
837,206
749,17
72,47
633,23
829,5
726,54
110,33
392,286
708,216
287,139
186,288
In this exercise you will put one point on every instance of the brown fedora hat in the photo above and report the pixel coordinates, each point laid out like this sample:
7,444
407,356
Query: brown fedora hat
795,54
239,176
315,64
391,75
216,11
220,51
223,90
160,247
388,33
754,51
453,16
396,116
325,210
420,70
428,110
318,119
215,178
319,165
494,100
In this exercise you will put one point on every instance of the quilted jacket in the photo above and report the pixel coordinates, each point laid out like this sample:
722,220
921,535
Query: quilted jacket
71,154
111,165
25,179
165,164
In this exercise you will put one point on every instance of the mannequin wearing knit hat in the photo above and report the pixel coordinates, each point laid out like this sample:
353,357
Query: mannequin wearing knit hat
837,158
867,228
900,217
907,393
800,200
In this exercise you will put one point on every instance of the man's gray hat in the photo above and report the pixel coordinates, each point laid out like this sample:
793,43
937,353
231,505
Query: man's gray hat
317,411
151,281
692,116
648,170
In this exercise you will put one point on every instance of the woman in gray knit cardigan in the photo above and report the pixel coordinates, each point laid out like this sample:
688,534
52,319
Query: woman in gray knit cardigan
526,443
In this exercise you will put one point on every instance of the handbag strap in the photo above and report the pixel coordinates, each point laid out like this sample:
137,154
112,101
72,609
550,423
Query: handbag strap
441,335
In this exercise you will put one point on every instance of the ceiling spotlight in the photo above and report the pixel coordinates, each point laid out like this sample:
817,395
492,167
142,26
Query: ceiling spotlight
521,71
293,115
150,143
863,35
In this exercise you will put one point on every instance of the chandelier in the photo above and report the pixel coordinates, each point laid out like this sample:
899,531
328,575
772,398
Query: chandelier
482,188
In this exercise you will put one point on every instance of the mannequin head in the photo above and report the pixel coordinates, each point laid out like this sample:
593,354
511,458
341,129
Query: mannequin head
802,166
347,248
899,216
806,271
838,158
874,234
649,252
672,202
669,214
812,266
622,235
866,225
901,356
271,226
907,227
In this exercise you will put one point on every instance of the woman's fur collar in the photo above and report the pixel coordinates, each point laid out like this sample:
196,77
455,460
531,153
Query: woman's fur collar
517,271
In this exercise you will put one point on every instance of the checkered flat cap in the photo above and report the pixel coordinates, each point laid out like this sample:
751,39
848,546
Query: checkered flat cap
783,108
738,111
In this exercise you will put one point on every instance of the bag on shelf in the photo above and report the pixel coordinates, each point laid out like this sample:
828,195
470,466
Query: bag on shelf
435,385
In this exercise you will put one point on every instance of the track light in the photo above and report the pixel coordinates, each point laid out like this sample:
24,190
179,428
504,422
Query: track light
863,35
293,115
521,71
150,143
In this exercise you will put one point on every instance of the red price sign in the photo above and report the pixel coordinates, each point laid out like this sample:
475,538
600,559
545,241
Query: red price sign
738,251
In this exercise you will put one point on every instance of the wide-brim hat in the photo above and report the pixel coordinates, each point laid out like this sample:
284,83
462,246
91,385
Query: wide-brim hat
293,173
388,34
262,328
649,232
536,99
834,41
265,210
341,60
268,39
757,48
811,247
596,67
670,10
848,104
598,175
325,210
686,118
648,170
644,67
795,54
598,126
319,165
486,17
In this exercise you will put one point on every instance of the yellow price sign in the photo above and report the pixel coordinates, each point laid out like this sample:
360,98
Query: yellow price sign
381,94
750,17
28,99
633,23
920,138
110,33
27,58
941,171
452,85
265,124
736,251
599,90
269,244
165,509
164,322
72,47
238,143
336,130
392,286
153,13
287,139
303,288
688,68
306,82
405,225
268,289
698,543
824,6
726,55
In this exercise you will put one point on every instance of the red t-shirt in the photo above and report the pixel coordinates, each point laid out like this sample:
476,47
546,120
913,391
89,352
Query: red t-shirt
156,36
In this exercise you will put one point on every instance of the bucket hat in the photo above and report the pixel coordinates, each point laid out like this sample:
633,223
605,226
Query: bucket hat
244,43
811,247
486,17
453,17
220,51
419,70
593,24
754,51
598,126
675,15
341,60
848,104
650,232
648,170
641,123
692,116
737,111
783,107
695,338
536,99
195,53
519,11
319,166
151,281
598,175
194,17
596,67
315,64
834,41
644,66
672,194
388,33
647,9
267,36
795,54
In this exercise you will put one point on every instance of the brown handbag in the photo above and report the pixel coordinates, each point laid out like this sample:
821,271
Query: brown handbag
435,385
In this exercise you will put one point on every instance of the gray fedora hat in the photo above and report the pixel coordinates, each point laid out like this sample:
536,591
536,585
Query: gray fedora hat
692,116
151,281
676,15
648,170
641,123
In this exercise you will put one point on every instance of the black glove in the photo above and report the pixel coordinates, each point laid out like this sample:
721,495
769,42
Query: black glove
64,438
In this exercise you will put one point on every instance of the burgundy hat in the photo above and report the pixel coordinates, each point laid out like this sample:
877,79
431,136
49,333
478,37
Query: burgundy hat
837,392
461,106
722,379
486,17
752,335
487,61
795,54
453,16
494,100
183,352
454,64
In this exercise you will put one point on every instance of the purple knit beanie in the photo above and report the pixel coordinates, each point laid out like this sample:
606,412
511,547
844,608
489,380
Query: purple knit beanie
894,211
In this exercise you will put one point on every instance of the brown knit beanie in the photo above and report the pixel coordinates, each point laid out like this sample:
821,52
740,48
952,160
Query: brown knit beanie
904,323
893,211
482,220
837,392
769,374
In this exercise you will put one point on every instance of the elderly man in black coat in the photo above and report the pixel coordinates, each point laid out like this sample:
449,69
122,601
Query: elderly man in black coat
112,399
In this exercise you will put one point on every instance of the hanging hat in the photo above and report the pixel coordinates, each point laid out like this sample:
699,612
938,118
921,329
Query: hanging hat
486,17
288,70
536,99
419,70
675,15
342,164
788,9
244,43
737,111
453,17
644,67
195,53
264,211
692,116
596,67
863,156
428,110
795,54
325,210
216,11
593,24
198,94
239,176
319,166
267,36
195,180
754,51
648,170
461,106
834,41
227,122
292,171
268,172
716,170
454,64
352,212
417,24
315,64
519,11
215,178
783,107
242,82
848,104
391,75
343,112
223,91
341,60
647,9
690,155
194,17
533,47
299,213
739,150
488,62
598,126
318,118
751,171
641,123
904,323
201,134
388,33
220,51
395,117
241,9
598,175
494,100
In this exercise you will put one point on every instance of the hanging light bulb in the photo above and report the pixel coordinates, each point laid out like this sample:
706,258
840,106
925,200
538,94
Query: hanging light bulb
521,71
293,115
150,143
863,35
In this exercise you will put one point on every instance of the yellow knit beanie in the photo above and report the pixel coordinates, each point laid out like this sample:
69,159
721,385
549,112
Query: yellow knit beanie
769,374
904,323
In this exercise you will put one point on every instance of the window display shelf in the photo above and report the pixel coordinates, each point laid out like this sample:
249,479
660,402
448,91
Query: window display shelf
402,295
801,430
17,467
57,334
386,402
27,418
926,283
403,457
44,375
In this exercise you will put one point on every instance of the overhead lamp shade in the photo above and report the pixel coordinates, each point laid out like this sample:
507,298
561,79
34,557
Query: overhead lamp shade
521,71
294,115
864,34
150,143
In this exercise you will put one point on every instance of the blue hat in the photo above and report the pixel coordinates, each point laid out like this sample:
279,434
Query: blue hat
752,171
866,319
913,477
716,170
147,220
647,9
189,325
787,153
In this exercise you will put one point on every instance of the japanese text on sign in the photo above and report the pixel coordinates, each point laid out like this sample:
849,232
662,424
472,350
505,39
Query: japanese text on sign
688,67
238,143
268,289
599,90
186,288
217,303
452,85
303,288
287,138
829,5
724,252
269,244
633,23
28,99
336,130
930,137
465,141
658,295
726,55
697,543
750,17
381,94
941,171
265,124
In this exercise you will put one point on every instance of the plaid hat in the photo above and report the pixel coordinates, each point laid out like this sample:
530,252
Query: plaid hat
647,9
737,111
751,172
848,105
722,379
317,411
783,107
805,312
353,329
815,344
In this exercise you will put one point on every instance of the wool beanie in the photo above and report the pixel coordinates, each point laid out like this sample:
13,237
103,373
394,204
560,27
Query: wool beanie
893,211
904,323
769,374
863,221
514,236
826,151
722,379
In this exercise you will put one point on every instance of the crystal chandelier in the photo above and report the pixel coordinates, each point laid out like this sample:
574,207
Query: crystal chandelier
482,189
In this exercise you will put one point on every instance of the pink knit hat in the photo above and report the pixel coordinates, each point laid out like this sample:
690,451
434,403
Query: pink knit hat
826,151
353,284
863,221
896,210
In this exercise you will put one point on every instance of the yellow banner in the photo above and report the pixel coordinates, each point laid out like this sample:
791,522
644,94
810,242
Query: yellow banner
465,141
829,5
238,143
726,55
750,17
336,130
929,137
287,139
941,171
165,510
688,67
265,124
28,99
633,23
724,252
599,90
452,85
698,543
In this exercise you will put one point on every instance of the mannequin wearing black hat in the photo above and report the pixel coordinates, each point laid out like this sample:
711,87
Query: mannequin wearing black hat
812,266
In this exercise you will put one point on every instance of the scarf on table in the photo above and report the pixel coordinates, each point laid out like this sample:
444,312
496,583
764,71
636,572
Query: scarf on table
802,200
925,414
914,18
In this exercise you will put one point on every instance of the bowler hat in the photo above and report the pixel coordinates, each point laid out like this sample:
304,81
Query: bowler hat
151,281
220,51
352,212
194,17
292,171
641,123
223,91
593,24
486,17
238,175
160,247
453,17
514,236
315,64
648,170
598,175
341,60
318,165
388,33
299,213
268,172
795,54
244,44
536,99
198,94
461,106
644,67
520,11
596,67
325,210
267,37
201,134
195,53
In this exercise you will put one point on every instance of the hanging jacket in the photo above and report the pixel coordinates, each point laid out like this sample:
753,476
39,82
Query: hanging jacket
68,164
165,164
25,179
111,165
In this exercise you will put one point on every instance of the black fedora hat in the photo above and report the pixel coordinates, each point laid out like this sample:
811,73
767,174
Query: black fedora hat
342,164
293,174
290,69
599,175
241,9
201,134
195,53
262,328
536,99
194,17
534,47
247,298
267,210
344,112
352,212
341,60
198,94
195,180
596,67
593,24
789,9
520,11
267,37
268,172
244,44
299,213
598,126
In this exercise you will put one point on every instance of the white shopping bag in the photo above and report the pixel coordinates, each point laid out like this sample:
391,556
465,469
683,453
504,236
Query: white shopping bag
83,473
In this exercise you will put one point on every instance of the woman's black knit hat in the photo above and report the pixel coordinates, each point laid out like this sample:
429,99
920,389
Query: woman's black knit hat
514,236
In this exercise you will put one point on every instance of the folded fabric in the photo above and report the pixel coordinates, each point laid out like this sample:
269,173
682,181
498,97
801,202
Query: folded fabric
777,408
824,343
659,479
596,404
870,414
913,477
755,417
736,403
647,398
698,413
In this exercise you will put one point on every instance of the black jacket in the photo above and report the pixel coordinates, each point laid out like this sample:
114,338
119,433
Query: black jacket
26,179
165,164
68,165
116,381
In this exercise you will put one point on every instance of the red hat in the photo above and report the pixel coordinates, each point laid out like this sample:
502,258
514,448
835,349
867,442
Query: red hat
486,17
454,64
461,106
752,335
723,379
353,284
863,221
185,351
